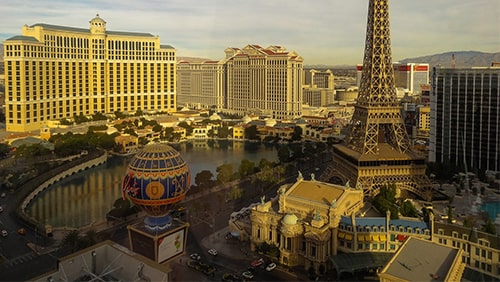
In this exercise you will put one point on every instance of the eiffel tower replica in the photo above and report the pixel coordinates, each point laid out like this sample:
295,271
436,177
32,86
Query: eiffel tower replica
376,151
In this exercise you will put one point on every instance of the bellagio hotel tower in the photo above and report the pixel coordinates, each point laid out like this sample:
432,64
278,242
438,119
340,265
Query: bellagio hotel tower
56,72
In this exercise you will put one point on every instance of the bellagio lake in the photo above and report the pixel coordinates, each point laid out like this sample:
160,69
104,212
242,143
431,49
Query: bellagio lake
83,199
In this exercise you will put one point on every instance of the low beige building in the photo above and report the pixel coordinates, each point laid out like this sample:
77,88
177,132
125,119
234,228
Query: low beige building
422,260
303,221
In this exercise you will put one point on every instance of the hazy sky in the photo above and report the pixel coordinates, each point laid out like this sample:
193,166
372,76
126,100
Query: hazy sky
321,31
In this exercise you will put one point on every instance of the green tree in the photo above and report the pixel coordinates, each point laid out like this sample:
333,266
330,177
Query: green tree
246,168
265,164
224,173
489,227
81,118
283,154
408,209
203,178
120,115
235,193
99,116
224,132
386,200
71,240
297,133
121,203
469,221
4,150
185,125
251,133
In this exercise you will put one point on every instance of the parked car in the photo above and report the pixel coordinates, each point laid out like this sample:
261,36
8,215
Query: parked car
195,256
21,231
271,266
258,262
213,252
1,209
4,233
247,274
230,277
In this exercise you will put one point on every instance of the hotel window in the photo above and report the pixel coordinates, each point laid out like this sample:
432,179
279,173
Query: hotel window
484,242
313,251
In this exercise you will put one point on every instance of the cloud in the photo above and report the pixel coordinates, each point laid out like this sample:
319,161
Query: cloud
321,31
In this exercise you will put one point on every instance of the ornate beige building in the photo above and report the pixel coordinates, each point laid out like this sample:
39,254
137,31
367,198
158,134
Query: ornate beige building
56,72
251,80
303,221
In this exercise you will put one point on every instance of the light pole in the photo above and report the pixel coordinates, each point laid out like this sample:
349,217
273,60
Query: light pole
210,224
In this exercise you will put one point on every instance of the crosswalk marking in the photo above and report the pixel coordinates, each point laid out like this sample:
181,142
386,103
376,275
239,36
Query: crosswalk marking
18,260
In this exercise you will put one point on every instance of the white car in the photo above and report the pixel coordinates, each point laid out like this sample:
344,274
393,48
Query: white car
213,252
247,274
195,256
1,209
271,266
4,233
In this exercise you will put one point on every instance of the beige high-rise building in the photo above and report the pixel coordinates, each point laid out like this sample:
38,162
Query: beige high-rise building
251,80
264,81
201,85
56,72
319,88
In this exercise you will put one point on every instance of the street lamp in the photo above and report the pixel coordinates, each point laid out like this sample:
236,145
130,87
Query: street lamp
210,224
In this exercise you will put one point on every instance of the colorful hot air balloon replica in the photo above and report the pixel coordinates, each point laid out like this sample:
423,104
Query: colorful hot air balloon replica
157,179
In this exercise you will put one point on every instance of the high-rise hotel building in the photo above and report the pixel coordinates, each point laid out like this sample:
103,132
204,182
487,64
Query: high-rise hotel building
408,76
465,117
251,80
319,88
56,72
201,85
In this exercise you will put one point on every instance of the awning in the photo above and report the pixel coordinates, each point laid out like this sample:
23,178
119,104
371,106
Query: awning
383,238
375,238
401,238
341,235
361,238
348,237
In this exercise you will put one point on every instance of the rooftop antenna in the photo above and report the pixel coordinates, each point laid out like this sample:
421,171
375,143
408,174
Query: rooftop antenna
452,61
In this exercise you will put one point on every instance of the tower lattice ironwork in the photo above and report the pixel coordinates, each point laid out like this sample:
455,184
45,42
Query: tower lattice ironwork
376,151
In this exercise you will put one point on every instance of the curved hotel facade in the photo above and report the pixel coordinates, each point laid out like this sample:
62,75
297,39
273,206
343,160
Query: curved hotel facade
56,72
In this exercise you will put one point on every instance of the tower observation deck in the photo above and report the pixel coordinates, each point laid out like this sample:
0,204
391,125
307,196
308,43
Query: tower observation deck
377,151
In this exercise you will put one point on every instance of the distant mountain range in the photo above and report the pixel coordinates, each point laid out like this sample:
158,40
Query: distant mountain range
463,59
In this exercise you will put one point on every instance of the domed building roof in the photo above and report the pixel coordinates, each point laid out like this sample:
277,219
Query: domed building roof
290,219
157,178
97,19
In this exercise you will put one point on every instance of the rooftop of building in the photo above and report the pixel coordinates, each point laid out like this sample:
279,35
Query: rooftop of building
113,263
421,260
316,191
386,152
